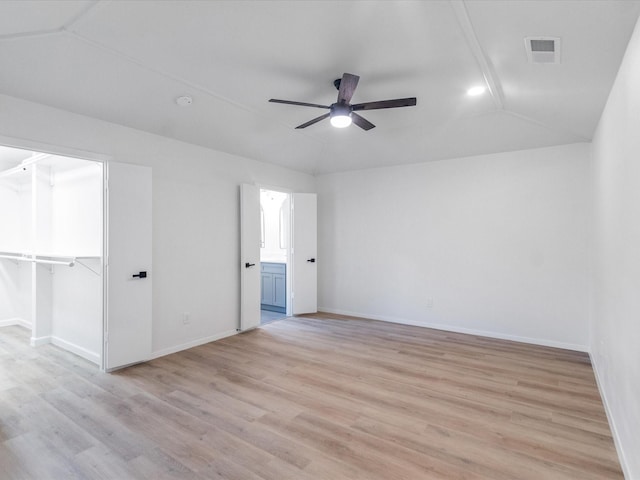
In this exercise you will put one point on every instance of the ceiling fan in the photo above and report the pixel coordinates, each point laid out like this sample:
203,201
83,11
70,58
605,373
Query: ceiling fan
342,113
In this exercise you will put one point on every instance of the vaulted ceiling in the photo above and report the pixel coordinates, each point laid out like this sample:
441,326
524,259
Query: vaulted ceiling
127,62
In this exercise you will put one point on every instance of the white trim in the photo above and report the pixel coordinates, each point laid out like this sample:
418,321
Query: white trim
76,349
15,321
32,34
612,425
193,343
491,79
37,341
59,150
469,331
279,189
105,265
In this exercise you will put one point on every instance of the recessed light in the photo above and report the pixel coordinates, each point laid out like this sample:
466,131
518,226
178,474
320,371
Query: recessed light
184,101
475,91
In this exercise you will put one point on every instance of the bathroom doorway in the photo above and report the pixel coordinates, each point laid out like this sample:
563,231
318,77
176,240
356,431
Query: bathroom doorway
275,235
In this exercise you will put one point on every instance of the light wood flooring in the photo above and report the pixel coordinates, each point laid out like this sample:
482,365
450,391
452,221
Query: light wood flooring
317,397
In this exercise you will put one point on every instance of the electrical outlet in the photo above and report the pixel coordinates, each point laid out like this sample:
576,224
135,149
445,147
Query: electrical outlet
429,302
186,318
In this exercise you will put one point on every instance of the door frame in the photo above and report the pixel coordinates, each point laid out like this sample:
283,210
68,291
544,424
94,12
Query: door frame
289,284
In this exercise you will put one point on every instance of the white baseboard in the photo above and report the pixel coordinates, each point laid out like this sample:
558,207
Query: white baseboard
37,341
76,349
194,343
15,321
614,431
469,331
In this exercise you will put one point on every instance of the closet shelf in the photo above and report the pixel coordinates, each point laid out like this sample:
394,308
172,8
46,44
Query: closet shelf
24,164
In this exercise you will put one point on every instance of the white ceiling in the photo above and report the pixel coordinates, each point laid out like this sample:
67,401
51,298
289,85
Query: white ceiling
127,61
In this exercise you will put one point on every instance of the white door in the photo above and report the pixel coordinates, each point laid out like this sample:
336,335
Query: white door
249,257
305,241
128,265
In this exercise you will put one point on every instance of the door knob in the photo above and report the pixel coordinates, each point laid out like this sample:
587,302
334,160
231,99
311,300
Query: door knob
312,260
140,275
247,265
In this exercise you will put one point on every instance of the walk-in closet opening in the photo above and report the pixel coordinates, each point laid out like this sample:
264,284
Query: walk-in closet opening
275,234
51,249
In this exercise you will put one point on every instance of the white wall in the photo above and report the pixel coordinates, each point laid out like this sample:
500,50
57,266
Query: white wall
195,213
9,215
25,293
41,208
615,341
76,309
9,291
498,242
15,232
76,224
25,270
9,239
76,215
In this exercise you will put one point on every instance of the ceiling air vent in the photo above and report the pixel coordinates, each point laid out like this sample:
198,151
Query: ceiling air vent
543,49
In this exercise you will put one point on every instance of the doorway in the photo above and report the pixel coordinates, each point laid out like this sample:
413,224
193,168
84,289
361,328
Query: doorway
51,249
300,231
275,234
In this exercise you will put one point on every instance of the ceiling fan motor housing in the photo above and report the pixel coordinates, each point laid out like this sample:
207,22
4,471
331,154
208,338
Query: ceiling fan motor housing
340,110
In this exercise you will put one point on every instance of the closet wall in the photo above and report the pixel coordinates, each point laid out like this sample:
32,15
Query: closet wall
53,284
14,204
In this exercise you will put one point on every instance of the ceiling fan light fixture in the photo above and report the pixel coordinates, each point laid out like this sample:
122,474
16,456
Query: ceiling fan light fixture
340,115
340,121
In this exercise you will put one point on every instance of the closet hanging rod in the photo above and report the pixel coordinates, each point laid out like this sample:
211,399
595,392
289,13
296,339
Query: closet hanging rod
54,258
68,261
11,257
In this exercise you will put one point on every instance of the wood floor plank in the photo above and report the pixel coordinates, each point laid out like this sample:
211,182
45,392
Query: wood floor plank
313,397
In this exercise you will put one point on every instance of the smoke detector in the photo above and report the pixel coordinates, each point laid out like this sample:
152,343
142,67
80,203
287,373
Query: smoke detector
184,101
543,49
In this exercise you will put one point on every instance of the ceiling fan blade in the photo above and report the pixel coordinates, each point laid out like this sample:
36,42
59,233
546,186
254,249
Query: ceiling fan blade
398,102
363,123
348,85
302,104
315,120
